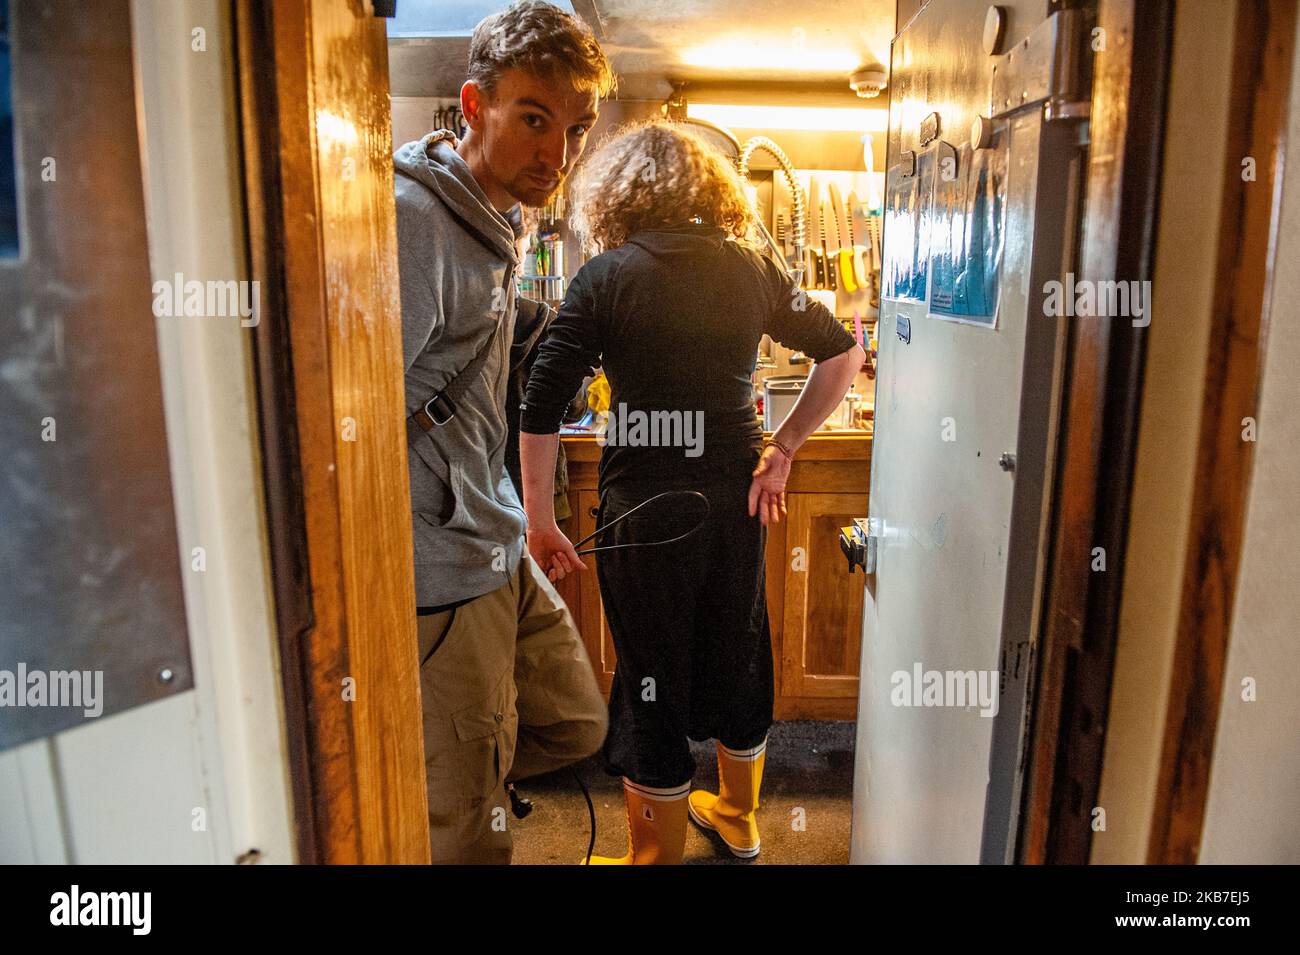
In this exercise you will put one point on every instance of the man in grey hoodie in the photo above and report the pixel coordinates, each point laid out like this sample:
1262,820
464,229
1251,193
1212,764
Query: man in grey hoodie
508,689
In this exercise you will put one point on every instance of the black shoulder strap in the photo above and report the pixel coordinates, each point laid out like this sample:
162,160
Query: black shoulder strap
441,408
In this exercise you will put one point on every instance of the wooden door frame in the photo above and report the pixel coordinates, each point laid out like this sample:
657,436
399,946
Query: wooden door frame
1098,435
316,143
1258,111
1099,431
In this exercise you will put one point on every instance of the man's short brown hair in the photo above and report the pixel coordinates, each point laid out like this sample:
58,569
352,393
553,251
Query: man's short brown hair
542,39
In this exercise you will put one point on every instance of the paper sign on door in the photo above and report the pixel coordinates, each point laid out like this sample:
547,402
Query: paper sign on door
908,211
966,242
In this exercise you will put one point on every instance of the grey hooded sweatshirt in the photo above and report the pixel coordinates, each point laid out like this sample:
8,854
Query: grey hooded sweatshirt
456,258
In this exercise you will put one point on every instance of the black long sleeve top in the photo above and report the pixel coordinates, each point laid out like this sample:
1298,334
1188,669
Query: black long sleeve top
674,316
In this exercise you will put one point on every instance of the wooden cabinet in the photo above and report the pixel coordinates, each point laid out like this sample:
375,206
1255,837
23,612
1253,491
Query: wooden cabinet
814,604
821,631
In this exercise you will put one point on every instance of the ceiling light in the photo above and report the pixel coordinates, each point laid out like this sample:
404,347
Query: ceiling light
869,81
822,118
739,55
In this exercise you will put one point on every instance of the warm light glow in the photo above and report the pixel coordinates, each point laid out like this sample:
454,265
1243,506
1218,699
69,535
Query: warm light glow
738,54
333,131
827,118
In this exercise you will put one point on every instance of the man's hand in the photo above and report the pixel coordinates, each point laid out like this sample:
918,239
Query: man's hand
767,492
553,551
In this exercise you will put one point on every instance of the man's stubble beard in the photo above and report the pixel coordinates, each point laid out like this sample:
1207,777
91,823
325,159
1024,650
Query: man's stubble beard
535,198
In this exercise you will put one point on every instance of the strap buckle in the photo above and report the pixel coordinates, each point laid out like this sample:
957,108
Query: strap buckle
440,409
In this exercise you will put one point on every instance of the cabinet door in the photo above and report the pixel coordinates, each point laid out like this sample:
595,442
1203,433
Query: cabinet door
821,636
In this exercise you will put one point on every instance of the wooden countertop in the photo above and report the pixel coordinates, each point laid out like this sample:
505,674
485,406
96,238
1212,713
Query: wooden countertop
822,446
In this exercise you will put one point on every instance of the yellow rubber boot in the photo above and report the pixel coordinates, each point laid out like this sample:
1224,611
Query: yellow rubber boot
656,825
731,813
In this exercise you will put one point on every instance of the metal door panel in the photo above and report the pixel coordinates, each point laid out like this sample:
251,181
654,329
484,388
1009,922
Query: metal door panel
90,562
959,557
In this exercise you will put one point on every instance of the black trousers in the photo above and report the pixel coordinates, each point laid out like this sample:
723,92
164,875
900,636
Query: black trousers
689,622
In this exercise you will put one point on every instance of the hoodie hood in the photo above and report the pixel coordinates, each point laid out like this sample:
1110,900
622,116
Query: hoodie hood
687,240
434,162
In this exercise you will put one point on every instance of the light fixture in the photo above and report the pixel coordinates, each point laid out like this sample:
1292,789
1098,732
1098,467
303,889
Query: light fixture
740,53
817,118
869,81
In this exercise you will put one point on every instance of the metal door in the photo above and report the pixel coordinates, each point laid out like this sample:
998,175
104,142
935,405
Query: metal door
984,163
91,604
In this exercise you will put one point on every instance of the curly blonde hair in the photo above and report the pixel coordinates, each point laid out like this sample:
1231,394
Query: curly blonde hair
654,174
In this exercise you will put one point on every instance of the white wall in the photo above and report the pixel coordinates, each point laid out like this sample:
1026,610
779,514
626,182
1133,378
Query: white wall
1254,793
413,116
124,789
1254,801
1178,343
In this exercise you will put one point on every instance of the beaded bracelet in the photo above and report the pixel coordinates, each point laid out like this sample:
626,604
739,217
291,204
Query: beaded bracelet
780,447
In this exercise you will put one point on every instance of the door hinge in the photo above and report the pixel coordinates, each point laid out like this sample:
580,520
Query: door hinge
1045,70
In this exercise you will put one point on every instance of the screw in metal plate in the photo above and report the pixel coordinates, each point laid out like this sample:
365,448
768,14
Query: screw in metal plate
166,675
1007,461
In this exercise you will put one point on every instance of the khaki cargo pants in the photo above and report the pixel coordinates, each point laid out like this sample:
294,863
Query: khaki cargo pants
508,692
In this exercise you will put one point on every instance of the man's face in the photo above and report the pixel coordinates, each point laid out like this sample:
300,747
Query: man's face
532,132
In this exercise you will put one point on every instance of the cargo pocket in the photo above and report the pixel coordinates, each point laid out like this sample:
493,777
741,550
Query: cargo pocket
488,732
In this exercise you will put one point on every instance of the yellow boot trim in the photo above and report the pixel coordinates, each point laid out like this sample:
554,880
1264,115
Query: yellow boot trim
732,812
656,825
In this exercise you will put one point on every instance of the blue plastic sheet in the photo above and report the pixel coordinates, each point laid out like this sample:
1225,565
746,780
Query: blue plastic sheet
943,233
908,214
966,243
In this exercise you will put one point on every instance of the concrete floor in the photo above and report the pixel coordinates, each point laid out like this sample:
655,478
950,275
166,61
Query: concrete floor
809,767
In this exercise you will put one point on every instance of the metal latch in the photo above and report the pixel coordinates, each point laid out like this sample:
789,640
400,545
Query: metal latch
859,546
1044,68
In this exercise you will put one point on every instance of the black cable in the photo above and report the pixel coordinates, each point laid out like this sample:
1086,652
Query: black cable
671,540
591,813
521,806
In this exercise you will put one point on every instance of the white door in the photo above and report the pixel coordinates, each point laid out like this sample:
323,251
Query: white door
979,217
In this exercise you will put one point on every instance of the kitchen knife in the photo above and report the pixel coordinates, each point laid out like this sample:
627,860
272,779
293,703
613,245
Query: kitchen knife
877,258
818,274
860,241
843,244
825,223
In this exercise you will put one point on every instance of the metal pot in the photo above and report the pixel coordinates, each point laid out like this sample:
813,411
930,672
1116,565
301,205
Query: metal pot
779,395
